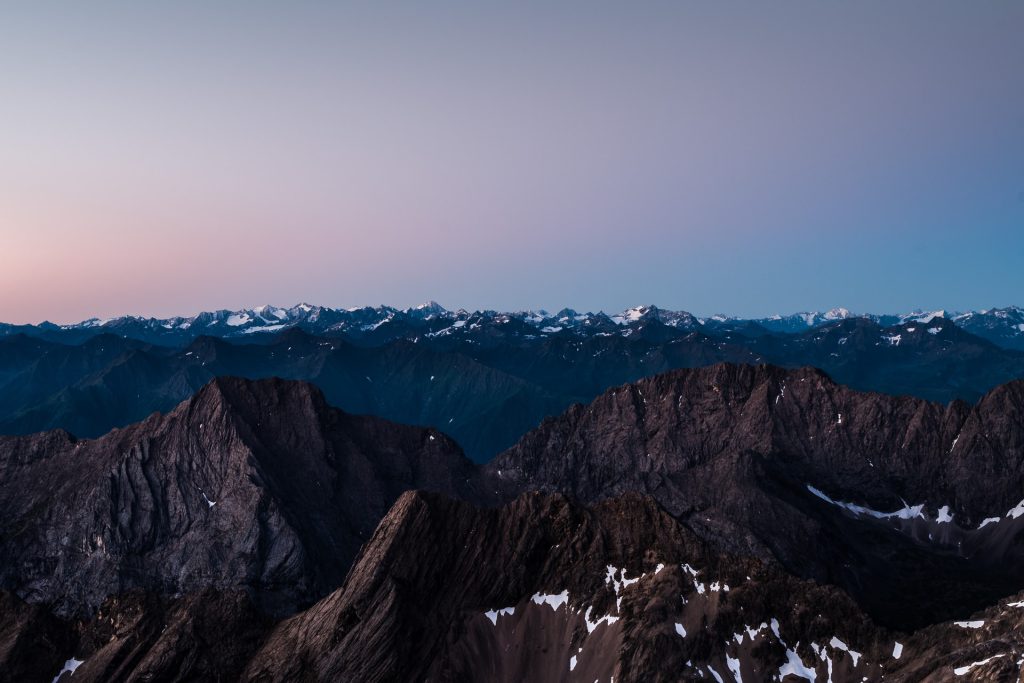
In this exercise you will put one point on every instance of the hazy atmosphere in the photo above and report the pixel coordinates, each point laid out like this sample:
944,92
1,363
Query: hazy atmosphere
715,157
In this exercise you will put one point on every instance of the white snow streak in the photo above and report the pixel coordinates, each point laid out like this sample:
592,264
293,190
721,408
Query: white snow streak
70,666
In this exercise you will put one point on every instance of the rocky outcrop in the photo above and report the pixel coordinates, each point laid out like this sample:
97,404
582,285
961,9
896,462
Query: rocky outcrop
789,466
728,523
540,589
33,642
249,485
543,589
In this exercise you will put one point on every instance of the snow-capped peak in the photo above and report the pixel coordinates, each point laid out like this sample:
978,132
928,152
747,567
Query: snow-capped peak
837,314
922,317
631,315
427,310
431,306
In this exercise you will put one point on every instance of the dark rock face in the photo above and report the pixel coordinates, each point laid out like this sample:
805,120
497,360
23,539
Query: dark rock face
541,589
206,636
33,642
255,485
544,589
726,523
761,461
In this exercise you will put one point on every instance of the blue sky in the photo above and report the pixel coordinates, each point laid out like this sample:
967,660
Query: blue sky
747,158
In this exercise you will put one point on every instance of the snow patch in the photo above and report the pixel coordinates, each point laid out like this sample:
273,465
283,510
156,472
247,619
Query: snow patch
840,645
734,667
795,666
906,512
555,601
926,318
265,328
693,573
70,666
495,613
961,670
619,584
753,632
970,624
591,625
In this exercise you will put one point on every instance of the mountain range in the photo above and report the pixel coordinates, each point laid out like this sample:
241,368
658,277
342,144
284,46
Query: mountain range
731,522
313,494
376,325
486,382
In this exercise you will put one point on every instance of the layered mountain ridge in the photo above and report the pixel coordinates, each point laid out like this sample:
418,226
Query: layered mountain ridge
734,522
484,383
788,465
256,485
376,324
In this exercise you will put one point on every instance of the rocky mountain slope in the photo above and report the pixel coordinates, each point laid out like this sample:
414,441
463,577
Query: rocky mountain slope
892,498
248,485
540,589
725,523
619,591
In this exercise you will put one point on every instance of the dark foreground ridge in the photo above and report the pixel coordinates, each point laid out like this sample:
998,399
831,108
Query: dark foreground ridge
731,521
540,589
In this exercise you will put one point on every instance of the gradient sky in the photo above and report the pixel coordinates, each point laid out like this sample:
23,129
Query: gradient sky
747,158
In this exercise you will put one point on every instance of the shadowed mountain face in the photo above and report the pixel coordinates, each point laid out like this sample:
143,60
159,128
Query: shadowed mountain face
732,521
594,593
541,589
487,381
255,485
885,496
621,591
